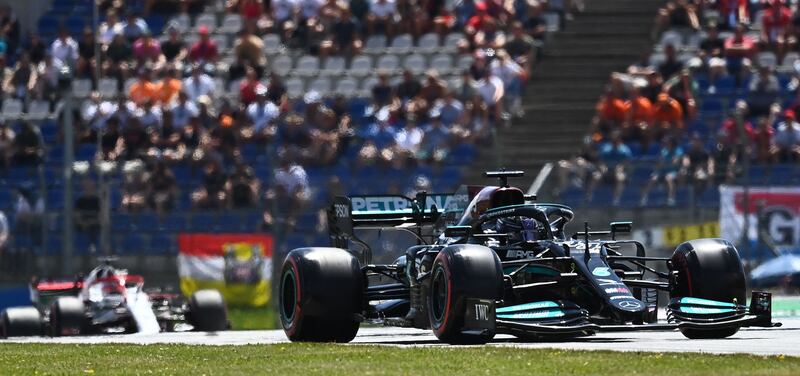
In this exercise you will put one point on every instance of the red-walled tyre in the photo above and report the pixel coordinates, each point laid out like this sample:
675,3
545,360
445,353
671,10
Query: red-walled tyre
321,295
460,272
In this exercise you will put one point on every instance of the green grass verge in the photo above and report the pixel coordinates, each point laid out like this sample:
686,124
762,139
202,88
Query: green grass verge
242,318
326,359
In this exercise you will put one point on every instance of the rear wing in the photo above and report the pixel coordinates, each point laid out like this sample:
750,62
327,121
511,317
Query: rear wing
382,211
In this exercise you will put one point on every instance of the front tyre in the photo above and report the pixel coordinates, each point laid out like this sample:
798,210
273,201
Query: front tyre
460,272
709,269
207,311
321,295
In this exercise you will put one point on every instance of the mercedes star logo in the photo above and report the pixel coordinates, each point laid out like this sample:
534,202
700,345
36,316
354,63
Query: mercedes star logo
629,304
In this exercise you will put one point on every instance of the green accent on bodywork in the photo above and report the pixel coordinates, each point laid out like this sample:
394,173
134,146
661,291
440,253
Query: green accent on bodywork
528,307
533,315
387,212
706,302
705,311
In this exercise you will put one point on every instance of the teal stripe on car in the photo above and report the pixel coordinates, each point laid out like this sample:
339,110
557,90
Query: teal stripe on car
706,302
534,315
528,307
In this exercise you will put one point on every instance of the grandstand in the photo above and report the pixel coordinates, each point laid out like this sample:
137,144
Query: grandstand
213,116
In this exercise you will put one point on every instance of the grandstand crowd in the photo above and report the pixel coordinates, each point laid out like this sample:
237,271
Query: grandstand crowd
719,87
210,105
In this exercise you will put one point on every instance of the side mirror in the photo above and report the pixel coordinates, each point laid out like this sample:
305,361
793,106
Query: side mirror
621,228
457,231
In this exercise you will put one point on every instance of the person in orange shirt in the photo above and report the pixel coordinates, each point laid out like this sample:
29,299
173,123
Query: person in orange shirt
143,89
639,115
611,112
169,87
667,115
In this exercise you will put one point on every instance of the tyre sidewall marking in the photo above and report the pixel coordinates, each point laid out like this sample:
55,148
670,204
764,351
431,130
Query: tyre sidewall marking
294,324
446,269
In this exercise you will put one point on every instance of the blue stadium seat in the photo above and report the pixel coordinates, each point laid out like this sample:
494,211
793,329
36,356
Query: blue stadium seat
147,222
132,243
75,25
162,243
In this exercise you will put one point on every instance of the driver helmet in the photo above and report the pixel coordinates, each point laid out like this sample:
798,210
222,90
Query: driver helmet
518,228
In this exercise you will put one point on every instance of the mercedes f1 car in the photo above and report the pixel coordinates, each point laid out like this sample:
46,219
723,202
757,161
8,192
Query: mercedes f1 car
493,260
109,300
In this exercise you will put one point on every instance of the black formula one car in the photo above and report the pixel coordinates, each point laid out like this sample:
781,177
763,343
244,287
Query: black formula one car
109,300
494,261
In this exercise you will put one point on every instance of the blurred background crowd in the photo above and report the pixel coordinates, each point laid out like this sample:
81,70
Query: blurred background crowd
715,100
249,115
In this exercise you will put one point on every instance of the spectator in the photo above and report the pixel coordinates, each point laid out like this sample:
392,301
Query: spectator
613,159
536,25
248,50
346,39
681,15
135,139
243,187
183,110
450,109
382,92
787,139
763,92
249,86
611,112
697,165
161,188
205,50
198,84
28,216
35,48
169,87
262,112
409,87
7,136
86,45
724,159
435,143
739,49
763,138
87,211
133,27
64,48
276,89
654,86
669,164
638,117
380,17
522,48
667,116
143,90
292,179
174,48
148,50
149,115
733,13
110,28
712,54
682,88
671,65
28,146
118,53
513,77
213,193
294,137
409,139
9,23
111,139
578,170
491,90
776,28
22,80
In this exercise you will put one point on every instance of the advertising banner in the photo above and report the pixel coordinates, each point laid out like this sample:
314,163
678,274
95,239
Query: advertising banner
773,211
238,265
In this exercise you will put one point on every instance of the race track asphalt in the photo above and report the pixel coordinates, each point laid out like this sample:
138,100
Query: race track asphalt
759,341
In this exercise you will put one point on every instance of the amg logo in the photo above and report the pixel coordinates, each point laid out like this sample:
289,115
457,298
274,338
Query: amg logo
342,211
481,312
519,254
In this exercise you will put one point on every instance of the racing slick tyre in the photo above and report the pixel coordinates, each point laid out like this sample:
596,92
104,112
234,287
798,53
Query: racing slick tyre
207,312
709,269
321,295
67,317
20,321
460,272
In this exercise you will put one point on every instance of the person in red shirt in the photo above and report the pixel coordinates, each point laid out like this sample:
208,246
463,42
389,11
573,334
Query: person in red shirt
205,50
733,12
763,138
776,26
739,48
477,22
249,86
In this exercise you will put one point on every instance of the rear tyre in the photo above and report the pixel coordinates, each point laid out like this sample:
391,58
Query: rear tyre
460,272
321,295
709,269
20,322
67,317
207,312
